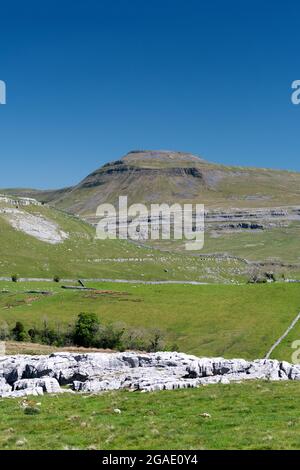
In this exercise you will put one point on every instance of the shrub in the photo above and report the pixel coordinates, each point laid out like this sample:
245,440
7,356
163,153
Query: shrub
155,343
86,328
56,278
87,332
135,339
18,332
109,337
143,340
32,333
14,278
52,336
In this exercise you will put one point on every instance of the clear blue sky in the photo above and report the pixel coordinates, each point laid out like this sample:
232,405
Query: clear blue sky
89,80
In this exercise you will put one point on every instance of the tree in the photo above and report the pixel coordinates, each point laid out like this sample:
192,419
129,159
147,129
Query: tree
86,328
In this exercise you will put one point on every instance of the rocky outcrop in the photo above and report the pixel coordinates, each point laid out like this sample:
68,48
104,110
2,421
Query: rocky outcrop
35,225
19,201
99,177
94,373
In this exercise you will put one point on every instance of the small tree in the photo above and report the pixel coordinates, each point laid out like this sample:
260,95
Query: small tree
18,332
86,328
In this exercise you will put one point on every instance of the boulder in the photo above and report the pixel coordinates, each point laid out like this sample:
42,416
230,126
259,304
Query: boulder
4,386
48,385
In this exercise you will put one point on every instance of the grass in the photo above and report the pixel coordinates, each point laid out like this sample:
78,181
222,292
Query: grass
84,256
209,320
257,415
279,245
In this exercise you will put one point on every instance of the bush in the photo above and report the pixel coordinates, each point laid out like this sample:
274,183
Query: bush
18,332
135,339
87,332
14,278
86,329
155,342
52,336
143,340
56,279
32,333
109,337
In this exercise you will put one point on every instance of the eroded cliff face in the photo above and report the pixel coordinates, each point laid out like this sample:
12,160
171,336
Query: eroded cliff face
94,373
99,177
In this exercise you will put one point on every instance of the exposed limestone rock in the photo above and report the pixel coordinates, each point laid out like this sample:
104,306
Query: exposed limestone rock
95,373
47,385
35,225
4,387
35,392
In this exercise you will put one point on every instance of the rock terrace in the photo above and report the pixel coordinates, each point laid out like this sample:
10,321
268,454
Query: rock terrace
93,373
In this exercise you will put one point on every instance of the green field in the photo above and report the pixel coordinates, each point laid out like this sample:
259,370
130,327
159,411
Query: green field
257,415
209,320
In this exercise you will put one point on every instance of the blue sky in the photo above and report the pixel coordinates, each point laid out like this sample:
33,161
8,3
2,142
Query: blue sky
88,81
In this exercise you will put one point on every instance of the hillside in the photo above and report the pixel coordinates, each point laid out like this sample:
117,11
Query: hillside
40,241
167,176
251,213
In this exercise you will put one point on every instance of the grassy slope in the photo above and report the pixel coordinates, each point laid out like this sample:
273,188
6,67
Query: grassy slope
212,320
243,416
222,186
83,256
280,244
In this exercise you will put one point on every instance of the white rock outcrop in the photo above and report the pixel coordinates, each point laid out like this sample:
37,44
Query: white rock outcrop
93,373
35,225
